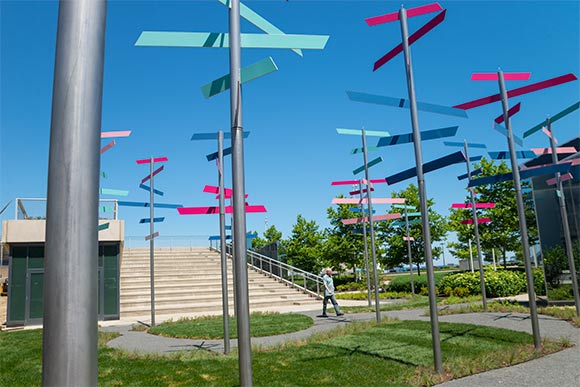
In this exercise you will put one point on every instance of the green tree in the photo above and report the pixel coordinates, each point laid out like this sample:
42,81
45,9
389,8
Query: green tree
503,232
342,245
271,235
391,237
304,247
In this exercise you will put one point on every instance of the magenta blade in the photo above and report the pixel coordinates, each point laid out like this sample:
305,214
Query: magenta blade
506,76
352,193
229,195
480,220
559,151
519,91
511,111
412,39
154,173
108,146
563,178
411,12
477,205
125,133
155,160
198,210
211,189
408,238
345,182
549,134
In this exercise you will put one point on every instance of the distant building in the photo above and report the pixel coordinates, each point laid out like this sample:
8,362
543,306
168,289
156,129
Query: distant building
546,201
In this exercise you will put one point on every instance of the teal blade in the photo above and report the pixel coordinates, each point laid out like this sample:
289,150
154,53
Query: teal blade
249,73
369,164
553,119
368,133
258,21
220,40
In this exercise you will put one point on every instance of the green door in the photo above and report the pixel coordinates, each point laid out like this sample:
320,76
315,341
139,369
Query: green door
35,284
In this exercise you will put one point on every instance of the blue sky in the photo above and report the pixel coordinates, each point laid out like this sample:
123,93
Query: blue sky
293,152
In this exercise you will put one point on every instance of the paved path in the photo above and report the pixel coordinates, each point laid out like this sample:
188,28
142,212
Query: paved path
561,369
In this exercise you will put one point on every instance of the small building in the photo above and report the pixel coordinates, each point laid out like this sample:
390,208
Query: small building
23,244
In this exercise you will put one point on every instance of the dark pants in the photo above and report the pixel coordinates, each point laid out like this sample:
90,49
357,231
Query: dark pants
334,303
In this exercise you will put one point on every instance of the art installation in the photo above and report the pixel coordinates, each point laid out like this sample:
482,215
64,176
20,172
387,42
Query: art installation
407,237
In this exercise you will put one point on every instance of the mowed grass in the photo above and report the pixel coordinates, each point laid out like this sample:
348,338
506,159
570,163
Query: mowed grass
394,353
212,327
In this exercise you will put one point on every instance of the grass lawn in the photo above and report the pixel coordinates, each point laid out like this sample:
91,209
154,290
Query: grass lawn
567,313
212,327
411,303
394,353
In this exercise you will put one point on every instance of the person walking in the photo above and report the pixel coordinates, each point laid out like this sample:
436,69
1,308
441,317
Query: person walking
329,293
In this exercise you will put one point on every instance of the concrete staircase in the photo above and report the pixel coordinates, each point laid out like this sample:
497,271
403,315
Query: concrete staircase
188,280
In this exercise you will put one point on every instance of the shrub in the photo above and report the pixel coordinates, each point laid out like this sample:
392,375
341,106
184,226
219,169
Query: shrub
351,286
501,283
402,283
461,292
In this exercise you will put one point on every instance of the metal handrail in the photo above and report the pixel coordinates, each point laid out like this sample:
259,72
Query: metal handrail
297,278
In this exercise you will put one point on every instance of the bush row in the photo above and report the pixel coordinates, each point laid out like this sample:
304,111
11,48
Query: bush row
402,283
501,283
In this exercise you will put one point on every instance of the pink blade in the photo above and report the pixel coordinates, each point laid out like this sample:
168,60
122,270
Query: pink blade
408,238
375,181
519,91
125,133
154,173
211,189
511,111
155,160
394,16
559,151
480,220
352,193
412,39
108,146
255,209
387,217
365,201
477,205
563,178
549,134
506,76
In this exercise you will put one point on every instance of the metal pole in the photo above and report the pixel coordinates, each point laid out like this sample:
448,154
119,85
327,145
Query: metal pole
373,249
224,259
521,214
152,242
476,229
409,251
422,195
471,268
239,213
362,211
565,225
493,258
69,356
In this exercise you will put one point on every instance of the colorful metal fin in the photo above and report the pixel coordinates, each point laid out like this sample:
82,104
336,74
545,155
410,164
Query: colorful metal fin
157,171
214,136
453,158
511,111
563,178
524,174
152,236
479,220
124,133
523,76
108,146
404,103
358,132
394,16
213,156
148,189
155,220
369,164
477,205
249,73
425,136
117,192
103,226
504,155
155,160
502,130
460,144
553,119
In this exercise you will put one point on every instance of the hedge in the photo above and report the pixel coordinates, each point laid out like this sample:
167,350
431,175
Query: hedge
402,283
501,283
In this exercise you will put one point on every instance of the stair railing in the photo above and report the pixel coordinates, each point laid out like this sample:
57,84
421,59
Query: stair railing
308,283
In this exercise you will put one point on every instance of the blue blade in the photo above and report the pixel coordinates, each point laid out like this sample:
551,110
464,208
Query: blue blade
155,220
143,204
403,103
503,131
425,136
465,175
403,206
439,163
526,174
213,156
217,237
213,136
503,155
148,189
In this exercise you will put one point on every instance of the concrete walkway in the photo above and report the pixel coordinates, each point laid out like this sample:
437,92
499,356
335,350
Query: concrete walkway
560,369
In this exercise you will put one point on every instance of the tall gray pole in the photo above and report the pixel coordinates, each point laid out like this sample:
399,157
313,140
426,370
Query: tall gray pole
239,226
224,259
565,225
422,195
373,249
521,214
69,356
476,229
152,242
409,251
362,210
